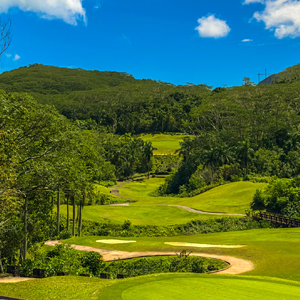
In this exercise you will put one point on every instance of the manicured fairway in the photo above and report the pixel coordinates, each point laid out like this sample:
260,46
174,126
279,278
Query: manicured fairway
164,143
274,252
193,287
139,215
229,198
158,287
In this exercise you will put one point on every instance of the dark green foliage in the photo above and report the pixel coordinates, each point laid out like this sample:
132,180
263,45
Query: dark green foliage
213,225
62,258
113,100
165,164
151,265
128,154
280,196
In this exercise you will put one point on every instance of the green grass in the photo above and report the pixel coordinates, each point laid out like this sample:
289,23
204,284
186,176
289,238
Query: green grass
229,198
69,287
194,287
139,215
165,143
274,252
159,287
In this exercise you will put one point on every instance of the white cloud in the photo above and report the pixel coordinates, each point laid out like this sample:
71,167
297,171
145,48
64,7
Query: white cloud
17,57
212,27
68,10
282,17
247,40
253,1
7,55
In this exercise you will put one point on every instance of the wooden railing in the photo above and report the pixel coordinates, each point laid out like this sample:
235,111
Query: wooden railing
276,218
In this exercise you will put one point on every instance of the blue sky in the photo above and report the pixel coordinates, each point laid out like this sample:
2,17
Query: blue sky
214,42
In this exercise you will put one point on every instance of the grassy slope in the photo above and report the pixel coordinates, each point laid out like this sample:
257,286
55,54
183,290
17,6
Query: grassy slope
139,215
275,252
104,190
158,287
71,287
165,143
229,198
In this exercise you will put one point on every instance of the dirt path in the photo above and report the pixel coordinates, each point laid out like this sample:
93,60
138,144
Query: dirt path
237,265
14,279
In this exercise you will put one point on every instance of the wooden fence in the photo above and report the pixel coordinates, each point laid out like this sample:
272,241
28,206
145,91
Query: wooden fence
276,218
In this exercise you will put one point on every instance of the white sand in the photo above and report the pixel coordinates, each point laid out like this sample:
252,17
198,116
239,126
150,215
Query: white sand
115,241
204,245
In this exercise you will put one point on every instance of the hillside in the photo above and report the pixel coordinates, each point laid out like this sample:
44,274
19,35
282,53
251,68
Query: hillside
119,103
288,75
53,80
113,100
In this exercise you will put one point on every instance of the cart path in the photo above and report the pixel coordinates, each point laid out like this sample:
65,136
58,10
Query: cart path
237,265
115,191
196,211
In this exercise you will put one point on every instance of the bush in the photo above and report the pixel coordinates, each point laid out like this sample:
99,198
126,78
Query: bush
163,264
194,227
280,196
62,258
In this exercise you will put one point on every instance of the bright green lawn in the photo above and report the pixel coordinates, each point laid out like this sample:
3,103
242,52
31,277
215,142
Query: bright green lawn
156,287
275,252
229,198
139,215
165,143
195,287
69,287
103,190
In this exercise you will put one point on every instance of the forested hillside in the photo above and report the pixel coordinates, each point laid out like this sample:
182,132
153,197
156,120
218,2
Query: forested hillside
113,100
121,104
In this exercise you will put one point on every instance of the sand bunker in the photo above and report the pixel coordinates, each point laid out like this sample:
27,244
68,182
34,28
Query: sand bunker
115,241
204,245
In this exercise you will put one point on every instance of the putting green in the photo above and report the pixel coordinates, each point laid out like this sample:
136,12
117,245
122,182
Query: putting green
191,287
202,245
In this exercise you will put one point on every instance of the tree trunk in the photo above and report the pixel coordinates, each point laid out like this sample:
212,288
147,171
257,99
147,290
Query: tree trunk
74,215
1,266
79,219
80,214
25,228
68,215
57,206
